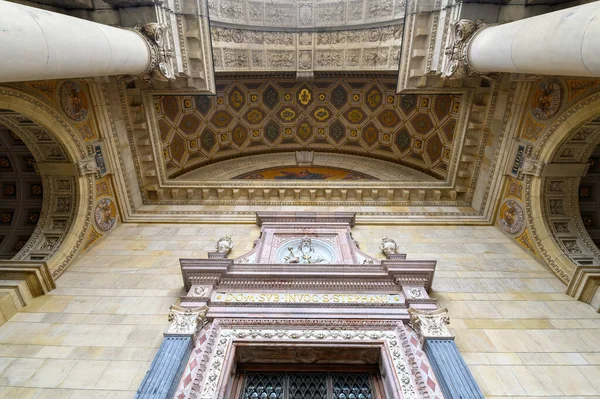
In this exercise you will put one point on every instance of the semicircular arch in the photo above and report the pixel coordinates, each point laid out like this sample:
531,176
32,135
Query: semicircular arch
68,194
552,197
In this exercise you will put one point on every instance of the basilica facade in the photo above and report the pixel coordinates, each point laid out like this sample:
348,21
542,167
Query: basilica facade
279,199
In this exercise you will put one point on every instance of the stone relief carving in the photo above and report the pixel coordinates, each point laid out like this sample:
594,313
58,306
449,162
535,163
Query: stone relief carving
306,252
280,59
414,293
388,246
305,14
305,59
456,61
224,245
185,321
430,324
300,51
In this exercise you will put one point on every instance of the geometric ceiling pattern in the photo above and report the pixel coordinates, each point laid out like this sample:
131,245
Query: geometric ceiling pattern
361,116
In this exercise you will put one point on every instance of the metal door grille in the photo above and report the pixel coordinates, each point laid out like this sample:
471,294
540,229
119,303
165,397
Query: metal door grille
260,385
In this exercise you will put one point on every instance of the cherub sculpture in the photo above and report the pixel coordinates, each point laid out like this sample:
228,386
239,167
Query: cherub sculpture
388,246
224,245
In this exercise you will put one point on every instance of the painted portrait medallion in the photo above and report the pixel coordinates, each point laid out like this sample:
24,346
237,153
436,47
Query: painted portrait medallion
547,99
105,214
73,101
511,217
305,173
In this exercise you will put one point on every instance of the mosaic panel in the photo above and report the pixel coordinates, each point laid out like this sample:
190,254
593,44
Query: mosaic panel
362,116
305,173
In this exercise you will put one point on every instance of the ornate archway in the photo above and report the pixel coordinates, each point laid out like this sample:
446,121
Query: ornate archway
68,186
558,162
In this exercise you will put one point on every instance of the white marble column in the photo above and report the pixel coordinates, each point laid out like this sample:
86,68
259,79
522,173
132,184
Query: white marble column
565,42
37,44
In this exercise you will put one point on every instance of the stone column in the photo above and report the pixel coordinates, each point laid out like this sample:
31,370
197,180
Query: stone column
164,374
563,42
38,44
451,371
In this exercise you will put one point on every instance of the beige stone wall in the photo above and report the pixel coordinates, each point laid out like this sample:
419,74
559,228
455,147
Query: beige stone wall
96,334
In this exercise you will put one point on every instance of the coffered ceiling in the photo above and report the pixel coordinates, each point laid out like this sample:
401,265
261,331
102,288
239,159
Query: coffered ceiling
361,116
20,196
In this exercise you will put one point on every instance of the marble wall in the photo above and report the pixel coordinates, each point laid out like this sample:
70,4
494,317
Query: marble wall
95,335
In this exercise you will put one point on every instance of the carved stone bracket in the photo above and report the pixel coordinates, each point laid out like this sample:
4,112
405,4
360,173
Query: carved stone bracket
161,54
457,61
87,166
430,324
532,167
186,321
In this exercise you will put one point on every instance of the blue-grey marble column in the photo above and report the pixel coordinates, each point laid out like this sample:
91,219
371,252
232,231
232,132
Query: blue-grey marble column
164,374
451,371
449,367
168,365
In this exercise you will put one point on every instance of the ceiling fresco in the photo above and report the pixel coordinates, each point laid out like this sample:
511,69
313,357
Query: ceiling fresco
361,116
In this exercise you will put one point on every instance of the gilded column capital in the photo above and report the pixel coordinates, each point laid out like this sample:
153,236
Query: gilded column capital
430,323
161,54
457,64
186,321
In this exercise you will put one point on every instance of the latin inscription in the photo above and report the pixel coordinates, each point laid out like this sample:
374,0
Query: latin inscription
305,298
518,162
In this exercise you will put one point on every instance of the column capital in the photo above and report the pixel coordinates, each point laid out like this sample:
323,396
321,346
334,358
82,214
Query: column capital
430,323
457,64
161,54
186,321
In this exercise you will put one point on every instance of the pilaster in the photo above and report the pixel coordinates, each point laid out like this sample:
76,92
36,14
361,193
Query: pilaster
450,369
164,374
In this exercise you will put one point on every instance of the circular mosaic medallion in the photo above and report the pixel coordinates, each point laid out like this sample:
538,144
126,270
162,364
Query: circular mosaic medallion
105,214
511,217
73,101
547,99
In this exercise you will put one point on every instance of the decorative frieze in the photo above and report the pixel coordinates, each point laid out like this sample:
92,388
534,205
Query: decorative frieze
367,49
214,373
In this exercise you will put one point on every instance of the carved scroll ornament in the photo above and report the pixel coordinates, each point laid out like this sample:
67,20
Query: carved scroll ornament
161,54
186,321
457,60
430,324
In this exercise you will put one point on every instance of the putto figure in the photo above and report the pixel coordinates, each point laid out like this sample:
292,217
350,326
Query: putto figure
388,246
224,245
